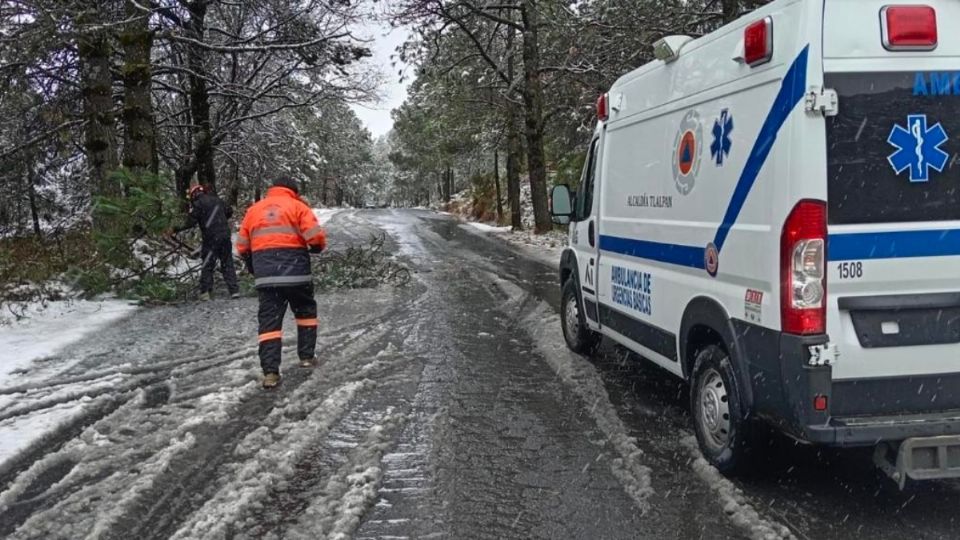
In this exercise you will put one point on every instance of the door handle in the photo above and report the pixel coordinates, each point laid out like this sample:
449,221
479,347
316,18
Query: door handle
591,233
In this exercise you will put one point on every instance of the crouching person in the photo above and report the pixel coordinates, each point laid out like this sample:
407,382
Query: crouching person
276,238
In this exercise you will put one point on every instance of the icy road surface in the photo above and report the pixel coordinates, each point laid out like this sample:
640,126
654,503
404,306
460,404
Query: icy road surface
445,409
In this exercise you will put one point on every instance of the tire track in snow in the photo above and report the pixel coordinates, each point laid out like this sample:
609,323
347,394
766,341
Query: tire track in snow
628,467
107,523
176,499
338,475
59,391
32,457
353,488
94,476
270,455
63,482
543,323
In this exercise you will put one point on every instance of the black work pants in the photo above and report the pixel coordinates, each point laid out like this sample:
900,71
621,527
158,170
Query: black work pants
213,250
273,306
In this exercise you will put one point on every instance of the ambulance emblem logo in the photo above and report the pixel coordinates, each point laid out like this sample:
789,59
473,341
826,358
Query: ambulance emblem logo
918,148
688,146
721,145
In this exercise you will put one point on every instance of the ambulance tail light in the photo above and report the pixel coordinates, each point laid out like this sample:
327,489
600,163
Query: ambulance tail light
758,42
803,303
603,107
909,28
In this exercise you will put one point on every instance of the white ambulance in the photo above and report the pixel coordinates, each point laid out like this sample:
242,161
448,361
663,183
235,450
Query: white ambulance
772,212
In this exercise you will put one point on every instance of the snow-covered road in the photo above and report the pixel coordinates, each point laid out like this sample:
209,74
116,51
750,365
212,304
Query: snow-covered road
449,408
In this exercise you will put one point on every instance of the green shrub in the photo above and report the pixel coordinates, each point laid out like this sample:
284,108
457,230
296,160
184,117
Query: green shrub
147,208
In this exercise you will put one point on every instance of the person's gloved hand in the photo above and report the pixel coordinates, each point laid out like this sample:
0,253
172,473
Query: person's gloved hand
248,264
315,249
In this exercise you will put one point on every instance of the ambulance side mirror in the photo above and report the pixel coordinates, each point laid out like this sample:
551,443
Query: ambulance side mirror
561,204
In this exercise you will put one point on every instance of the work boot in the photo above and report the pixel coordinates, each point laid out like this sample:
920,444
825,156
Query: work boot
271,380
204,297
308,362
235,295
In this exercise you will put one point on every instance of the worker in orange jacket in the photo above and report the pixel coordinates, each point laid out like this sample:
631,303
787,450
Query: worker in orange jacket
276,238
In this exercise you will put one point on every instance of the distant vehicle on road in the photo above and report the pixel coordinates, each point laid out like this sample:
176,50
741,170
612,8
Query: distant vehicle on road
732,180
369,205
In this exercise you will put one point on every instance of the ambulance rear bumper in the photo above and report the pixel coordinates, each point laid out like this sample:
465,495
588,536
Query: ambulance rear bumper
784,390
868,431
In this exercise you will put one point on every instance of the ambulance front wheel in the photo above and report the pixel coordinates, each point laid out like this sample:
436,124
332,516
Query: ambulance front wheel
579,338
722,433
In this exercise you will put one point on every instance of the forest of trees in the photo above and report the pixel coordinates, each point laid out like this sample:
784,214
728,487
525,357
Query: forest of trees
113,108
511,85
222,92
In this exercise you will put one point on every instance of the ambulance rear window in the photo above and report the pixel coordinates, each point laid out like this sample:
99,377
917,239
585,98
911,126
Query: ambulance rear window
892,151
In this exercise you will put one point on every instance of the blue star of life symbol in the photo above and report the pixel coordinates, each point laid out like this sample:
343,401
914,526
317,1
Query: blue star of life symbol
918,148
722,127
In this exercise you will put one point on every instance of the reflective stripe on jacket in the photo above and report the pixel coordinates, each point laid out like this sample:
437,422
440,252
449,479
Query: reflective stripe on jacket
211,214
277,231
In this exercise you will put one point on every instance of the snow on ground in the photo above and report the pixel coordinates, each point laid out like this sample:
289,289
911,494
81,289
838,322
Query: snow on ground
270,456
325,214
42,331
546,248
18,433
45,329
734,503
488,228
352,489
543,247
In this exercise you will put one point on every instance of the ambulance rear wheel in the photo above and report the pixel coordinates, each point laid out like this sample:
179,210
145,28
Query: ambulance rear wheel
722,433
579,338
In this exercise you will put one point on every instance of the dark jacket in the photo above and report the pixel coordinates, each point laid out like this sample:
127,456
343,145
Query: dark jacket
278,231
211,214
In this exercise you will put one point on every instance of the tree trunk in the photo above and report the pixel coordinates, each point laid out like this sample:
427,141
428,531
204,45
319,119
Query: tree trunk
513,172
100,143
533,118
199,97
233,194
496,182
449,185
139,136
32,197
513,149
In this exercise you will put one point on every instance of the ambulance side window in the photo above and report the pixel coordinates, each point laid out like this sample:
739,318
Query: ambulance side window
585,194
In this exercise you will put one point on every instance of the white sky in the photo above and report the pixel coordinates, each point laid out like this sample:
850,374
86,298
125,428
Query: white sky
376,116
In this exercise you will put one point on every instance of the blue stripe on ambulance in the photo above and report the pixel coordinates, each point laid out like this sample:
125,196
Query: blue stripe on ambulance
893,245
791,92
668,253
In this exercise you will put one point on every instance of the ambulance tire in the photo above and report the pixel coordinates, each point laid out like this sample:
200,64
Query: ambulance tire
580,339
724,436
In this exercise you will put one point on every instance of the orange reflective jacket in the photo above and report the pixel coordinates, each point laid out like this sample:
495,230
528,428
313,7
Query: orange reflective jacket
277,231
